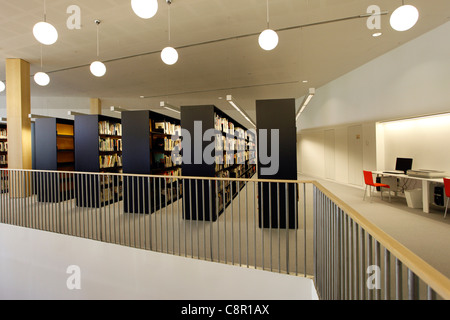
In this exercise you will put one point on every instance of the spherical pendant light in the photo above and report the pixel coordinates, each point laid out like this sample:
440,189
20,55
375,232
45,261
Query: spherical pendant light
169,55
2,86
42,79
45,33
144,9
404,18
98,68
268,39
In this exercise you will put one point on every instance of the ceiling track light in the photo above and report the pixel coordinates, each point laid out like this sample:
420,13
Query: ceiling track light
74,113
239,109
169,107
268,39
117,109
2,119
36,116
404,17
2,86
144,9
305,102
97,67
169,55
44,32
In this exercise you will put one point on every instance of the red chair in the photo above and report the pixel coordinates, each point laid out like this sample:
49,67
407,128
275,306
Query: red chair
368,179
447,193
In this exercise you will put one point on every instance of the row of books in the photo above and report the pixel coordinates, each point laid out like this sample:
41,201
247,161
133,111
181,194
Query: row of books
165,144
165,161
167,128
3,146
107,128
110,161
3,134
223,124
174,173
108,144
3,160
229,144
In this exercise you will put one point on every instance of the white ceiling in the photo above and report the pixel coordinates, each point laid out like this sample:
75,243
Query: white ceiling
217,41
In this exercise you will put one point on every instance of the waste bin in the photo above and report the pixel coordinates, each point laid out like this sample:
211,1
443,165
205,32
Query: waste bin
414,198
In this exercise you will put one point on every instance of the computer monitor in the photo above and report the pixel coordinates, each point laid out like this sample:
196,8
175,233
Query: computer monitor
403,164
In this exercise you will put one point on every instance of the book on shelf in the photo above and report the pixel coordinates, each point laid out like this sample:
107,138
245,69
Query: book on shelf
108,128
167,128
3,134
4,146
163,161
110,161
3,160
108,144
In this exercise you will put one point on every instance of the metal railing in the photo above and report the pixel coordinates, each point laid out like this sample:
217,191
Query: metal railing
355,260
293,227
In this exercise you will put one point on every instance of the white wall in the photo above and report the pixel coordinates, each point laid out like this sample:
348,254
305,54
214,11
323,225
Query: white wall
33,265
420,139
409,81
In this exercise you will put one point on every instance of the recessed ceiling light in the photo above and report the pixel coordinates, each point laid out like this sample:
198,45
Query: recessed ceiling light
305,81
377,34
220,98
142,97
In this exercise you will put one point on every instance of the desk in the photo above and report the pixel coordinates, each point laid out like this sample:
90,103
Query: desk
425,186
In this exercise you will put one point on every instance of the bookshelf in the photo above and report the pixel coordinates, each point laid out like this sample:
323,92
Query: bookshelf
238,160
98,148
54,150
3,157
148,150
278,114
3,146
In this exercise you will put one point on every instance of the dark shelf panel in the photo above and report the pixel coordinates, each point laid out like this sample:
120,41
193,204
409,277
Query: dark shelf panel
138,151
206,114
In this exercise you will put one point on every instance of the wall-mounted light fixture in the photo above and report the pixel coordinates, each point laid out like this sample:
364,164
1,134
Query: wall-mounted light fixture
305,102
239,109
170,107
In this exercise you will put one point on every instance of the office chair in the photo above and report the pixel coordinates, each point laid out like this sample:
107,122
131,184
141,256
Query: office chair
447,193
368,179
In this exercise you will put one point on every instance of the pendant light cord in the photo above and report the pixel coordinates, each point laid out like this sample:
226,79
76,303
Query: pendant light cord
45,11
268,14
41,57
169,23
98,45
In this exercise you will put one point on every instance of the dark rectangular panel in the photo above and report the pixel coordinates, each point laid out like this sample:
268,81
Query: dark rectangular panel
86,143
189,116
278,115
45,135
276,200
136,142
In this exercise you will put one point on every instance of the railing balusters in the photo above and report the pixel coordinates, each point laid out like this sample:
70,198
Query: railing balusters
89,205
